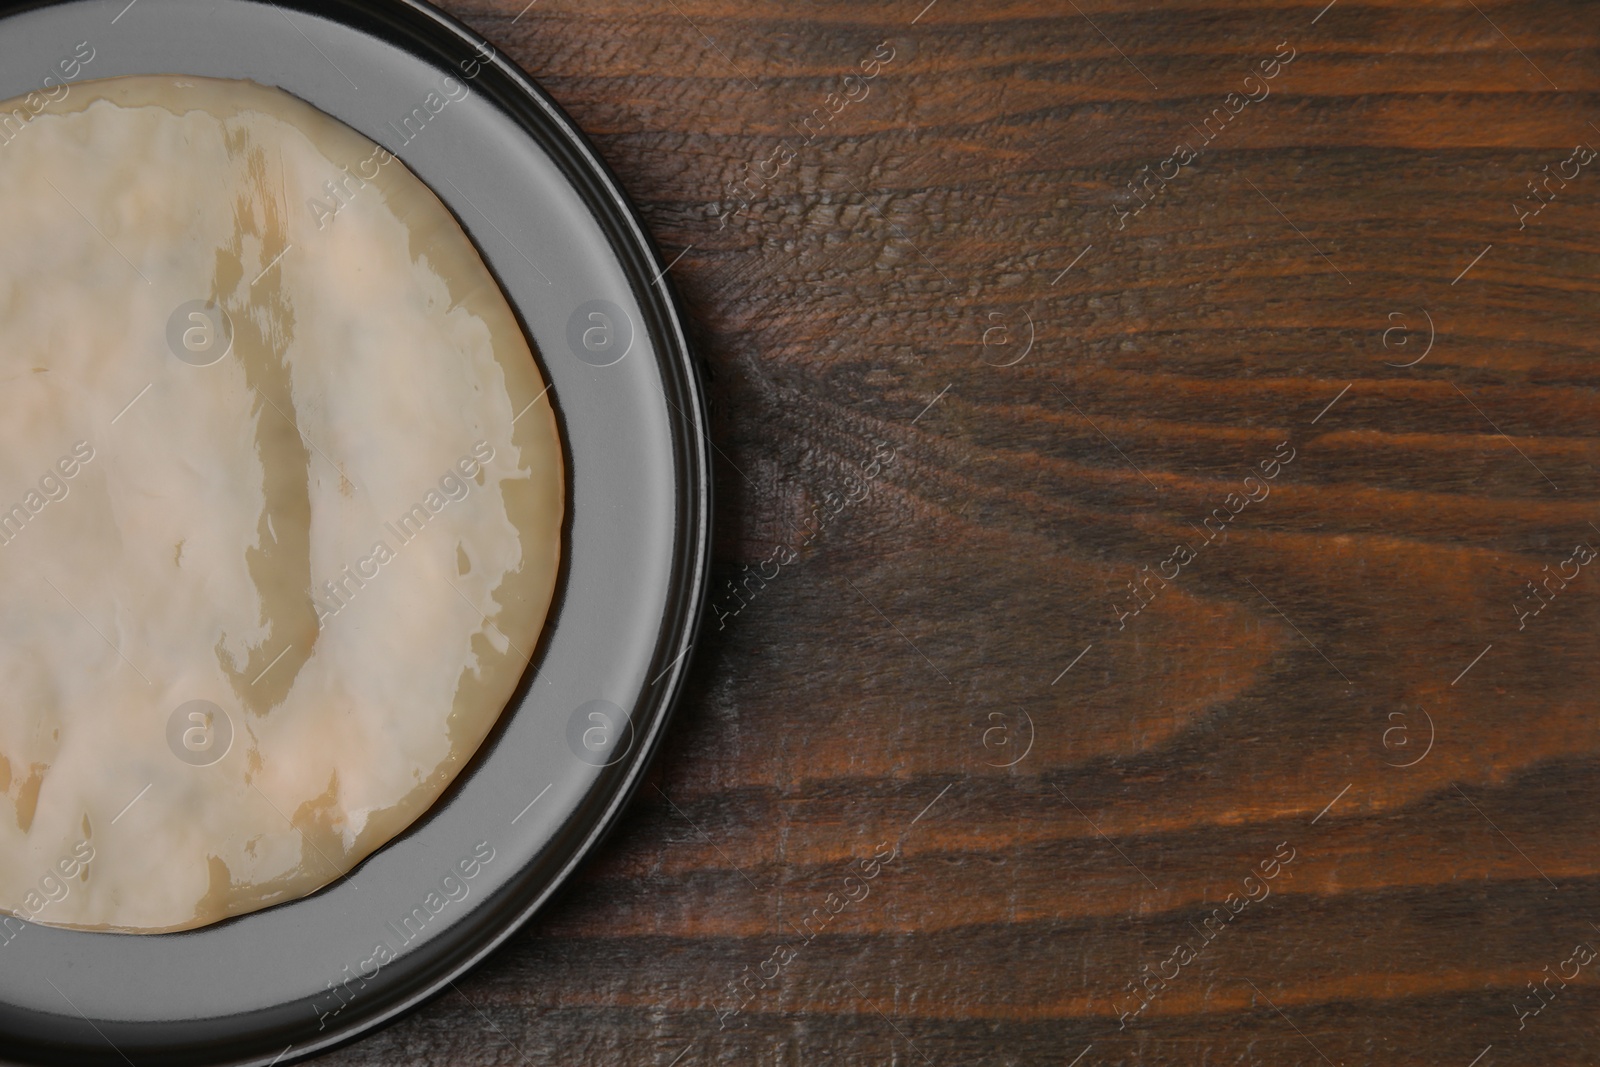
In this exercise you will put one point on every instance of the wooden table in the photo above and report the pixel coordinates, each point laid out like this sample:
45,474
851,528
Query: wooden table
1154,450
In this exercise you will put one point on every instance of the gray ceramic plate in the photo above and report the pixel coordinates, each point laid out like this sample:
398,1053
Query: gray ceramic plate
550,220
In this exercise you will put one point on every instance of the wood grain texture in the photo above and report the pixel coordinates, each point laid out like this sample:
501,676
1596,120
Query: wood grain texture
1267,697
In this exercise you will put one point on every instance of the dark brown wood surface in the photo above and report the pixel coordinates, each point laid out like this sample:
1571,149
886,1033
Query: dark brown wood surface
1345,666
